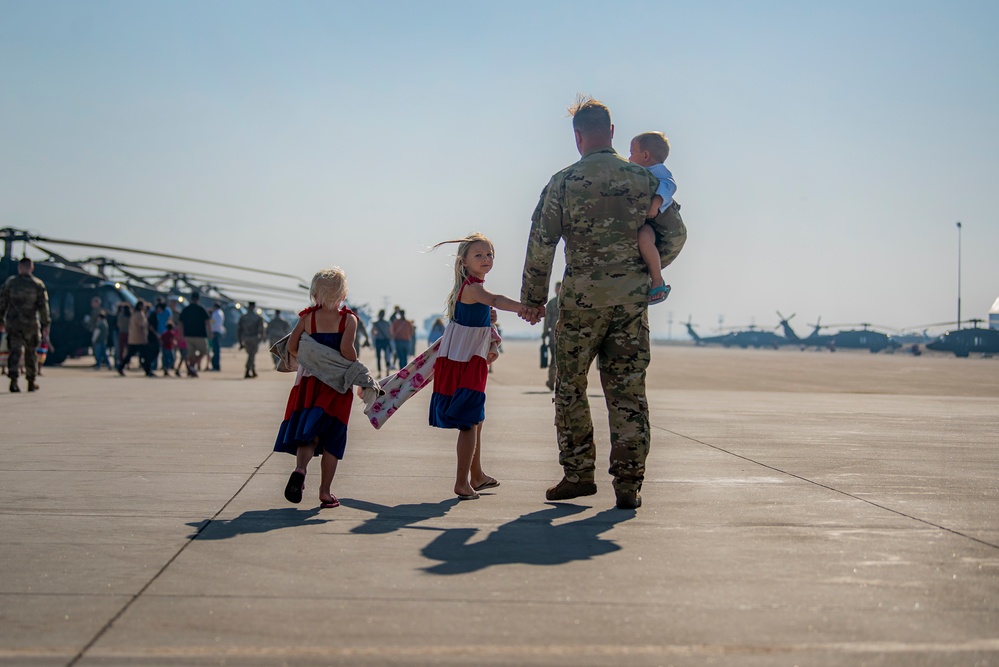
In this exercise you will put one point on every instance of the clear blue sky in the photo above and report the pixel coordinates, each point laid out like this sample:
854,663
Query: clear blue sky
823,151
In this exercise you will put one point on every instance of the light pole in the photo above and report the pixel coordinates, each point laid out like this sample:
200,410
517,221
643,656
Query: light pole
959,274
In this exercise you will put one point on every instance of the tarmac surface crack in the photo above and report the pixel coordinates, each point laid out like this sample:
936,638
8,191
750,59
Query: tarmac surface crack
121,612
827,487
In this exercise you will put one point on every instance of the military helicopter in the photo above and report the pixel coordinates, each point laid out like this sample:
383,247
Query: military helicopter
755,337
855,339
962,342
76,292
724,339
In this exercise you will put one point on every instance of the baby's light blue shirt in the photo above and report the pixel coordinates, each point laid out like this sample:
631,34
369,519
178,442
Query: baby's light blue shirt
667,186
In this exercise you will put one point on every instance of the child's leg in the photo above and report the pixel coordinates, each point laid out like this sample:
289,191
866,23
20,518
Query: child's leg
296,482
465,451
305,454
479,479
328,470
650,255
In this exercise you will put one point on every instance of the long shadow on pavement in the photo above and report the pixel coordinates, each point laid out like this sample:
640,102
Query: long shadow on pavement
532,539
389,519
255,521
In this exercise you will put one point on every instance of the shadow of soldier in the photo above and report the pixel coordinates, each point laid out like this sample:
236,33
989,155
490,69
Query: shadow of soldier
532,539
389,519
254,521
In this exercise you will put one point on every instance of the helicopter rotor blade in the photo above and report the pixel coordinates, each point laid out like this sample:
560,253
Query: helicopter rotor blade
151,253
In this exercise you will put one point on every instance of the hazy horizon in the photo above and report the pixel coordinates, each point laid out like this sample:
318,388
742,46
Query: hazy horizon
823,153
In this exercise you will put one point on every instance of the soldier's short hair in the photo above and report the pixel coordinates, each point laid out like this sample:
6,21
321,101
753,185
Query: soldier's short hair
590,115
25,261
329,287
655,143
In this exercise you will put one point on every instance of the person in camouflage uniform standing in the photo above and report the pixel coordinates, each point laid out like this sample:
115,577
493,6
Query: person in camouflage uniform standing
597,206
250,331
24,304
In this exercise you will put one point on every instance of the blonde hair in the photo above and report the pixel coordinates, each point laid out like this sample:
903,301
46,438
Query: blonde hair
329,287
460,273
655,143
590,115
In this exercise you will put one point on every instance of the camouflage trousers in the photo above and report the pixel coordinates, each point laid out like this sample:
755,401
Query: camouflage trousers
28,340
618,338
251,345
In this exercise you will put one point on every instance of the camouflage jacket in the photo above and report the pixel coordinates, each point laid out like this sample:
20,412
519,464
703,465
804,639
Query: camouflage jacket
249,326
24,303
597,205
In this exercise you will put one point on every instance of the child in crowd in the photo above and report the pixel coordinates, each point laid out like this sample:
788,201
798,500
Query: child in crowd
99,339
181,351
315,419
168,341
650,150
463,360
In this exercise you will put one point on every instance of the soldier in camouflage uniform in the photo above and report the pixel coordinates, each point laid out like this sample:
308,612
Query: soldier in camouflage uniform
597,206
250,331
24,303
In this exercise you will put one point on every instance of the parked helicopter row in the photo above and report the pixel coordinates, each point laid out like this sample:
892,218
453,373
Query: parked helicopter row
962,342
77,286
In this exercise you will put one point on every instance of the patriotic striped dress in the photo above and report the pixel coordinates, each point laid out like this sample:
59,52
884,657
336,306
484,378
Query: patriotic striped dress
460,371
314,408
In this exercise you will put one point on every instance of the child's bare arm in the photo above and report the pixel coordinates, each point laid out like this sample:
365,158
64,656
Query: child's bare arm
657,202
296,335
347,342
476,293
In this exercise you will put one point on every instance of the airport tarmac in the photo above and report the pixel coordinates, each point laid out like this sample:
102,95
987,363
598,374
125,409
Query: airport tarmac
800,508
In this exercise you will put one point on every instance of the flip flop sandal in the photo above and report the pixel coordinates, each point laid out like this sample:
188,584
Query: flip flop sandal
662,289
293,490
490,483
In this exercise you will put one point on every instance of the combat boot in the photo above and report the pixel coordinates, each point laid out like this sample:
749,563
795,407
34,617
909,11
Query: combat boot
628,500
32,385
566,490
13,386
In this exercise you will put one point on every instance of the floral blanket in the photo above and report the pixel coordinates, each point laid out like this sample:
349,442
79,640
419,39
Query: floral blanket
400,387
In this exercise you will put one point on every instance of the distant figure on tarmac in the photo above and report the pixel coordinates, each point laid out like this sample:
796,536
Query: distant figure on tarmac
195,326
24,307
99,340
277,329
138,340
402,336
122,317
381,333
218,330
603,304
250,331
436,331
548,335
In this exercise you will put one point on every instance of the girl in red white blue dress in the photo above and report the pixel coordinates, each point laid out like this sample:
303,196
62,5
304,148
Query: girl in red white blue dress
463,360
315,419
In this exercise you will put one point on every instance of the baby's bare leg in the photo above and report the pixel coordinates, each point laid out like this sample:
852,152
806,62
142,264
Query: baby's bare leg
650,254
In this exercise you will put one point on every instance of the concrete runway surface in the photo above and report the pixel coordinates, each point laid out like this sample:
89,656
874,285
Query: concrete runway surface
800,508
